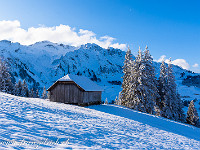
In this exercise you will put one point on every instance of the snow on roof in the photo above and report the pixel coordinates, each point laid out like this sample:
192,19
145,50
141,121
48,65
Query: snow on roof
82,81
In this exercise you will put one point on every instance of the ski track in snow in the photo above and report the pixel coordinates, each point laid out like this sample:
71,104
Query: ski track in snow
37,120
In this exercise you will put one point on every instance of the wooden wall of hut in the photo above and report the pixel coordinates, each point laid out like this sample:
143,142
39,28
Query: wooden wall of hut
72,94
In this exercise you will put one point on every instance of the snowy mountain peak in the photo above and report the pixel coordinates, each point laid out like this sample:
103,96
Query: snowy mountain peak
5,41
90,46
52,48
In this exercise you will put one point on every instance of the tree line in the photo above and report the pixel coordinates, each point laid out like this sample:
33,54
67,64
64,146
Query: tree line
142,91
19,88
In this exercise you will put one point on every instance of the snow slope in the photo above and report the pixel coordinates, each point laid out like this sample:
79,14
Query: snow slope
54,125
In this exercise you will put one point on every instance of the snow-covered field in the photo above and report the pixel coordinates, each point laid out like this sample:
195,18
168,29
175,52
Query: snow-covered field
32,123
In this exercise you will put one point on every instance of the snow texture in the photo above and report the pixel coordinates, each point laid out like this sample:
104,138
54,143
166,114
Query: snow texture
82,81
54,125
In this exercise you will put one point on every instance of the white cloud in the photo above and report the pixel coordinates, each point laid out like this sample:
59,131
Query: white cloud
179,62
195,65
161,58
11,30
120,46
182,63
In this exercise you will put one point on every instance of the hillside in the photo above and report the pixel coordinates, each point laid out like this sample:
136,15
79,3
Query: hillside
42,63
32,120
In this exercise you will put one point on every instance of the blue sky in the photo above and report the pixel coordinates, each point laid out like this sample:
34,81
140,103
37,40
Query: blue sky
170,28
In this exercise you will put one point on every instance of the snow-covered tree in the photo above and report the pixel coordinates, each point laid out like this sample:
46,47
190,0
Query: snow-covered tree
37,94
126,78
181,115
44,94
173,107
18,88
32,93
5,79
149,82
117,101
143,84
162,87
132,91
25,91
49,95
192,115
106,101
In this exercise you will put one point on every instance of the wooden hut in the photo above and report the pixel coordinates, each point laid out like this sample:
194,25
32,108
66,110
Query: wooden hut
73,89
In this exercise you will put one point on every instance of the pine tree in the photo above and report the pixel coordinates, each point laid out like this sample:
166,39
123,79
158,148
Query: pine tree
181,115
143,85
149,81
44,94
173,107
5,79
37,94
25,90
49,95
32,94
178,106
106,101
18,88
126,77
133,100
119,99
192,115
116,101
162,88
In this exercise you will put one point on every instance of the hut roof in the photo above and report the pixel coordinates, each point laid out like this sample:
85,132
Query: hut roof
81,81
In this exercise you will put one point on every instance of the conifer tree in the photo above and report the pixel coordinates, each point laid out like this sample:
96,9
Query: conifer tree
116,101
106,101
44,94
32,94
37,94
25,90
119,99
143,87
5,79
126,77
149,83
133,100
162,88
173,105
181,115
192,115
178,106
18,88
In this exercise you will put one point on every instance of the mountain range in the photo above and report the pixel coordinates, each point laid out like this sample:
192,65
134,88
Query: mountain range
42,63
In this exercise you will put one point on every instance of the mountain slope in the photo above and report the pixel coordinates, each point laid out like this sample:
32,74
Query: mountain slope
44,62
96,127
33,62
